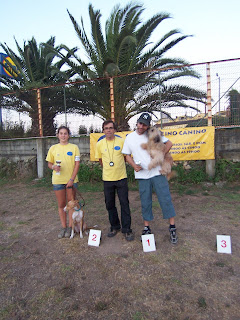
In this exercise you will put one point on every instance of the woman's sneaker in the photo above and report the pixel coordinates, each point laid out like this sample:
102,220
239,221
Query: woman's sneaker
173,235
62,233
68,232
146,230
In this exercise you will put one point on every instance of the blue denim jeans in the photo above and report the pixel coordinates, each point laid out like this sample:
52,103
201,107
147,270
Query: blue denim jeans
161,187
57,187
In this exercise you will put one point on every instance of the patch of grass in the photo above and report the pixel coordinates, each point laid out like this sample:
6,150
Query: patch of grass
7,311
23,222
177,282
15,235
90,187
65,269
155,204
227,170
231,196
101,305
138,316
190,192
220,264
202,303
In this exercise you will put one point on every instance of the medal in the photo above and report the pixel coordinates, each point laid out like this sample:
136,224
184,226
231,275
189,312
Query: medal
111,163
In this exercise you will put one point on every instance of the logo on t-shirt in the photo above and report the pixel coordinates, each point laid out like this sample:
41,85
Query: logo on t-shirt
117,148
69,153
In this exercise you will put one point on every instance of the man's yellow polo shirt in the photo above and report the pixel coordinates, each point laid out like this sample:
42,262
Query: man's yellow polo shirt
111,151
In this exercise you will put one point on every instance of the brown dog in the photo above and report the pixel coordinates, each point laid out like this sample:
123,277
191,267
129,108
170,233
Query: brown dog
157,150
78,224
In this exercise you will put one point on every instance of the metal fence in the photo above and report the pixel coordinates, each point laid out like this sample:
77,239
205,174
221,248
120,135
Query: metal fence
49,107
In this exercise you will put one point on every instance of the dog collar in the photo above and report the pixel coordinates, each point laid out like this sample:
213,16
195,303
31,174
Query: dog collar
77,209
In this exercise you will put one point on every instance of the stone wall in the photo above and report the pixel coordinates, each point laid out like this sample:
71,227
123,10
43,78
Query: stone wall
227,146
26,148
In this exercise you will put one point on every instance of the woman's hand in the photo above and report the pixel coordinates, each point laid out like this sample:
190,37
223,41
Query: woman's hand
70,183
56,168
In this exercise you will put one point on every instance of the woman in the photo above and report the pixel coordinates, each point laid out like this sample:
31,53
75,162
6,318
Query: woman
64,160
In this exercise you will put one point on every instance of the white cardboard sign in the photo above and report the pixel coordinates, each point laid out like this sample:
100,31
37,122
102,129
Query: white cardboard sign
94,237
224,244
148,243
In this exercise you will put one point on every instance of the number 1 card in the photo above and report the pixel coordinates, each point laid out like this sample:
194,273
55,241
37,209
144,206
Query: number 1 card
148,243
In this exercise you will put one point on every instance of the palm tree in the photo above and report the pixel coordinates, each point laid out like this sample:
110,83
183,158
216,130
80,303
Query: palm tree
125,48
35,67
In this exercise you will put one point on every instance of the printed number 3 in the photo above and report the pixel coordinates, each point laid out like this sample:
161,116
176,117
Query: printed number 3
224,244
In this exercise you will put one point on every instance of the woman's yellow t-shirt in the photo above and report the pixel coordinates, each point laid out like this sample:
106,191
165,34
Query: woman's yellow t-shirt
68,154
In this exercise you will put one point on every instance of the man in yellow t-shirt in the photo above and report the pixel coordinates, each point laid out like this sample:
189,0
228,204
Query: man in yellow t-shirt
114,175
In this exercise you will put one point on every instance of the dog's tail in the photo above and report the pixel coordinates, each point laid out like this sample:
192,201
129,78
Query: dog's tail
89,227
172,174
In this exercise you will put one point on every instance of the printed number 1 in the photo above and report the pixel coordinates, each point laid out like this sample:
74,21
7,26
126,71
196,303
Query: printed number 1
94,237
224,244
148,241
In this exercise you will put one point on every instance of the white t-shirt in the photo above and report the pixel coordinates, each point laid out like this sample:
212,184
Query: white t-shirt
132,146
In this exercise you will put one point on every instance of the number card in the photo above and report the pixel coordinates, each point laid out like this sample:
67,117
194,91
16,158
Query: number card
94,237
224,244
148,243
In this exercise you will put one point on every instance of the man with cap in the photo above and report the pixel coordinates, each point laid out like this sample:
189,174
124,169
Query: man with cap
149,179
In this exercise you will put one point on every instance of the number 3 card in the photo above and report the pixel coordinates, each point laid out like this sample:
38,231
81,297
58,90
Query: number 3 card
148,243
224,244
94,237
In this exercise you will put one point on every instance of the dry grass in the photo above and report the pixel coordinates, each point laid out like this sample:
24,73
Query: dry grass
42,277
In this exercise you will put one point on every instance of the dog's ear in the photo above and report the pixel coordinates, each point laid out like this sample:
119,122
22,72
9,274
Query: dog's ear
156,139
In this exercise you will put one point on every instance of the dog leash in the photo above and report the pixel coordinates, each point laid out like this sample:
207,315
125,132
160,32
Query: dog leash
82,204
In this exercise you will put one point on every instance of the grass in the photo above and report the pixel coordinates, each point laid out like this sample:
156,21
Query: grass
117,280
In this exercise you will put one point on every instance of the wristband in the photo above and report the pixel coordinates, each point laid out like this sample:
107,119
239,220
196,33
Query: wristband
71,180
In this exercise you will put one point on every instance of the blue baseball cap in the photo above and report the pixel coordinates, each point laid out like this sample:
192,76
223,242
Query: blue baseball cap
145,118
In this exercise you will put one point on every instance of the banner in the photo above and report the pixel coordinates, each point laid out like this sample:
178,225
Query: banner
192,143
188,143
8,63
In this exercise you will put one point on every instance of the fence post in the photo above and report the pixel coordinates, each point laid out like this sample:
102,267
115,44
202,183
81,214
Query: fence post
40,157
39,113
40,141
210,164
112,99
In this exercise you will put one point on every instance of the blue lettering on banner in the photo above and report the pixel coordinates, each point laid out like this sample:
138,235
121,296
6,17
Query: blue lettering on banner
182,133
173,133
192,132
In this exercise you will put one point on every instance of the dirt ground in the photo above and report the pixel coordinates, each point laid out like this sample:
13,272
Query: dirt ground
42,277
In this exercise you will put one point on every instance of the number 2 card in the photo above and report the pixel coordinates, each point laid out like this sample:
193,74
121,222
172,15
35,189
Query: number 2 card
94,237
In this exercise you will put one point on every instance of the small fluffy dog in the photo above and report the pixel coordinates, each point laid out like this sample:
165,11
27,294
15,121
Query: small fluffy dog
78,224
156,148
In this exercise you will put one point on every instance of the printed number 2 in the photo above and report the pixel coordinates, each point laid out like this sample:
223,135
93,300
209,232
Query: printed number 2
94,237
224,244
148,241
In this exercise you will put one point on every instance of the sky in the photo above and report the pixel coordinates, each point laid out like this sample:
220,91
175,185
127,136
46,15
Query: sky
213,24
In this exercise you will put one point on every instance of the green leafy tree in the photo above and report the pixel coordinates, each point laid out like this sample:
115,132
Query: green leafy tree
36,67
234,104
126,48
